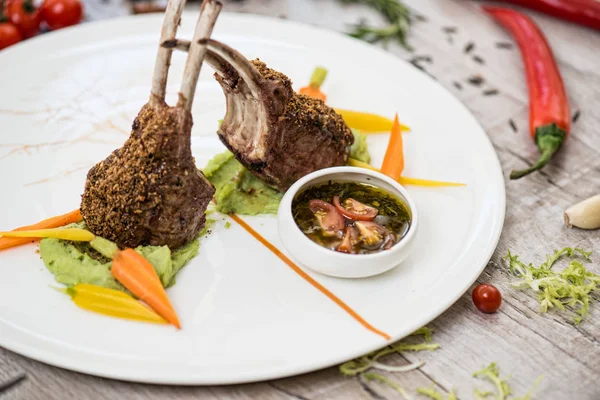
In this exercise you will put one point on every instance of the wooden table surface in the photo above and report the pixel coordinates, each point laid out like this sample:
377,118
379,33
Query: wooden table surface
524,343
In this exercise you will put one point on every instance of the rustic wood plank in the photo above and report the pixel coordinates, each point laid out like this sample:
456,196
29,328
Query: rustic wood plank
524,343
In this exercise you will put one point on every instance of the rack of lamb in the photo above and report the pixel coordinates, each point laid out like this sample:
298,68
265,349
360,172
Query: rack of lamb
276,133
149,192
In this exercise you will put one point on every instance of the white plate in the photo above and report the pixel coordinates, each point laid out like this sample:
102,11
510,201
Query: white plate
68,99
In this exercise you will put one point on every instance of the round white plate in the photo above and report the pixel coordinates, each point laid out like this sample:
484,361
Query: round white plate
69,98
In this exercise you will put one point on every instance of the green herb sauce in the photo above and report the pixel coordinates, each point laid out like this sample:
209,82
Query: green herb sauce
394,214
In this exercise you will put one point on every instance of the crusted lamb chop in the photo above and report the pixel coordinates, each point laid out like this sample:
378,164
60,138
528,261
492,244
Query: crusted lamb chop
149,192
277,134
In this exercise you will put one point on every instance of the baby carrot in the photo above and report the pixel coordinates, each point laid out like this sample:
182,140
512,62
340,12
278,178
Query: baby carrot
314,87
54,222
113,303
393,161
139,277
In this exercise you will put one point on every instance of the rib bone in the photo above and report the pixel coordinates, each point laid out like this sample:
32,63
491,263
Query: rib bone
197,51
163,58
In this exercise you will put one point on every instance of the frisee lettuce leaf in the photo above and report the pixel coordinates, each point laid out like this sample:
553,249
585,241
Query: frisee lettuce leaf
370,361
570,287
371,376
529,395
492,374
502,390
434,394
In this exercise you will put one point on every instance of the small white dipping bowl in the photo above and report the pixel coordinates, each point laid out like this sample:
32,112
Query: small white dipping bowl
333,263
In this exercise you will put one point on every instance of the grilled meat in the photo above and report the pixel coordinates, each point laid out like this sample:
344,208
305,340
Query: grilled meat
149,192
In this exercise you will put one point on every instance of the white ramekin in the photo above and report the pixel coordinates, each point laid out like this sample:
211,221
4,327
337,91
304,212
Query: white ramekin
333,263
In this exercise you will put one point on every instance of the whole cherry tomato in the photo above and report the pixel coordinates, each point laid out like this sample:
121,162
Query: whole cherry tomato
487,298
24,15
62,13
9,35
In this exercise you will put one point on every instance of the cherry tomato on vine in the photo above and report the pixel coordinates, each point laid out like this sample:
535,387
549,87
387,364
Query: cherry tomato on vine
24,15
487,298
9,35
62,13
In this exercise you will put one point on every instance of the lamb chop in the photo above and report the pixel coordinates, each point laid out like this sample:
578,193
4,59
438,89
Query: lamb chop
149,192
277,134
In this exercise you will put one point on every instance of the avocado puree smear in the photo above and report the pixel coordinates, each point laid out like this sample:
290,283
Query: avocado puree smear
240,192
73,263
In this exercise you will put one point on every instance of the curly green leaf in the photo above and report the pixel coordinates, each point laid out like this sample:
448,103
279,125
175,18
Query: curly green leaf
570,287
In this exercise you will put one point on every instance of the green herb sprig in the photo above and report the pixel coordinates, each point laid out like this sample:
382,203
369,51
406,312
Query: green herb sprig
396,13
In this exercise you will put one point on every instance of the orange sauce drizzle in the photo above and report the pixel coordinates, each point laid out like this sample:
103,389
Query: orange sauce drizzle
308,278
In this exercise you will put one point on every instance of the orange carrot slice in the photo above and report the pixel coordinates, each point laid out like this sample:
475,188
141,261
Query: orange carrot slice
393,162
54,222
139,277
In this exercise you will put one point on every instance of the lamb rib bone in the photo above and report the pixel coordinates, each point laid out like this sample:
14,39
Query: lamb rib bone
163,57
277,134
197,51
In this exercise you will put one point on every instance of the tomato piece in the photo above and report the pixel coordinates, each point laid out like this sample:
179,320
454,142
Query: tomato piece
62,13
349,241
331,221
24,15
9,35
372,235
487,298
354,209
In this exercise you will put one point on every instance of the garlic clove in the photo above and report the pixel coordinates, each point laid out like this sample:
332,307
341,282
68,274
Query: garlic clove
584,215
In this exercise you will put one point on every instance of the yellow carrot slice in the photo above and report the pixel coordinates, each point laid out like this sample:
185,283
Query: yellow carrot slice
139,277
367,122
74,234
113,303
407,181
428,183
54,222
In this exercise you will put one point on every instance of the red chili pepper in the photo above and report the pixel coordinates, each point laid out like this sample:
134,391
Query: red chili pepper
549,114
582,12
